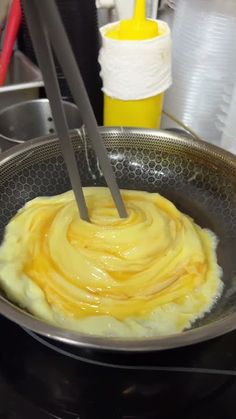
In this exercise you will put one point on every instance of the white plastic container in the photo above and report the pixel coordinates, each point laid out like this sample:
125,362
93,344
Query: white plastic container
204,62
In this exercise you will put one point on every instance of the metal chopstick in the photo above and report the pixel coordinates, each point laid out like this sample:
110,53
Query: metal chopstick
45,58
62,48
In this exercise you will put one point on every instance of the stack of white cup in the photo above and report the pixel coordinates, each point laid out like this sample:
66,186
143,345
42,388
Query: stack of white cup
204,63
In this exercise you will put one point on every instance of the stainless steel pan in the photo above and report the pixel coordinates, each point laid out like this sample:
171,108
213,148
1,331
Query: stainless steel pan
199,178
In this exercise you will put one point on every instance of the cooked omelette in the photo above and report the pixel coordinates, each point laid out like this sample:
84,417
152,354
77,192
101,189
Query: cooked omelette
151,274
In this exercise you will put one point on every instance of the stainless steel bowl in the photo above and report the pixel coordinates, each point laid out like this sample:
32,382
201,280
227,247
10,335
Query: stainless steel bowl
32,119
198,177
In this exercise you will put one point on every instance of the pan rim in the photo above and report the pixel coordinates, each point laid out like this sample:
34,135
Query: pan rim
195,143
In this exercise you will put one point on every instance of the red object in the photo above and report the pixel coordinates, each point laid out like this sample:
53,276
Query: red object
12,27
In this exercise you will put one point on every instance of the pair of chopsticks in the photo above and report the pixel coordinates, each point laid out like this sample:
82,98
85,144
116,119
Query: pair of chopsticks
10,35
47,32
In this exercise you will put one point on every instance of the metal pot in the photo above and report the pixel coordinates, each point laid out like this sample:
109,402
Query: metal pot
32,119
198,177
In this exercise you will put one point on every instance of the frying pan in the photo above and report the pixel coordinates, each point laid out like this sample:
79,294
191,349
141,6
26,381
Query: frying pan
198,177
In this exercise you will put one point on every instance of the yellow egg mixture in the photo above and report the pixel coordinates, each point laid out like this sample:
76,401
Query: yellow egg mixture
150,274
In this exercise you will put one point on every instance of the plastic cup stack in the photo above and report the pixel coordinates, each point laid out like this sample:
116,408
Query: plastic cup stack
204,62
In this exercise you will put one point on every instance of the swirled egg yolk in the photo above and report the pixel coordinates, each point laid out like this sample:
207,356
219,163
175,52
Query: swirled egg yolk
152,273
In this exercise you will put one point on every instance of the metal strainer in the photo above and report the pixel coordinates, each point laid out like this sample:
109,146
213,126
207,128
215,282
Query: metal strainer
198,177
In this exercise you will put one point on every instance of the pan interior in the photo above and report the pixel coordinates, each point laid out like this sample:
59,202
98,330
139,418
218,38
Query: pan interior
200,182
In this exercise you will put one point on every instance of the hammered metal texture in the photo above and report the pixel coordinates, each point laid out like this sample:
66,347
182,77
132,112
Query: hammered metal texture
200,182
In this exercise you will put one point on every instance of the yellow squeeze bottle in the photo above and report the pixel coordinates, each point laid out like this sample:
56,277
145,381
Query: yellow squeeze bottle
144,113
